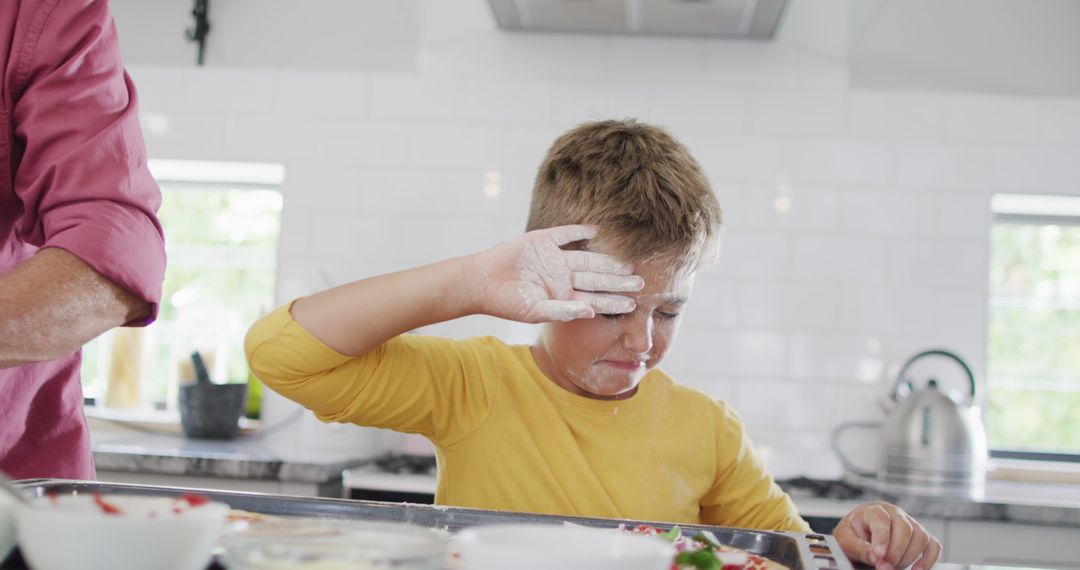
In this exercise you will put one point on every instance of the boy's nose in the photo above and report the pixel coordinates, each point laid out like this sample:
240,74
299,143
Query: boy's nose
637,335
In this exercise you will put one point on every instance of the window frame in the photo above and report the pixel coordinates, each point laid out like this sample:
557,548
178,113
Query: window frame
184,175
1046,219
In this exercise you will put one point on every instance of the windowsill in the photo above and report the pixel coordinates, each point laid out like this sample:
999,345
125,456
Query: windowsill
145,420
1031,471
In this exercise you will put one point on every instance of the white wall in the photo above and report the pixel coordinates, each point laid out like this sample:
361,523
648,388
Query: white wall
883,253
351,35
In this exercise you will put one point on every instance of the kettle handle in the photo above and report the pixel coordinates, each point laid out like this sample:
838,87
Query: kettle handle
900,378
834,443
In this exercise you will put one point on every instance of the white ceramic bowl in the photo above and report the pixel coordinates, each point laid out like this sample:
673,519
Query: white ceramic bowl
75,531
327,544
7,526
548,547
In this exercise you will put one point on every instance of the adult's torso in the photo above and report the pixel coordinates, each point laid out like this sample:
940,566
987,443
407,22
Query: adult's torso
42,428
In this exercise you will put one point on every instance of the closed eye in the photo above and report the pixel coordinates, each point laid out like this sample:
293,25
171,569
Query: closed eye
663,315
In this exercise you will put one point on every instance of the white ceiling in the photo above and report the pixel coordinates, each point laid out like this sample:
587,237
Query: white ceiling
1026,47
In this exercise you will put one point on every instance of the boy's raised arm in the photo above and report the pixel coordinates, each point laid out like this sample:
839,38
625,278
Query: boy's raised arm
357,317
529,279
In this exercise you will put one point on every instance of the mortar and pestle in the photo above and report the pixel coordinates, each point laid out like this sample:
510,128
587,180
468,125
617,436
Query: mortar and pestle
209,410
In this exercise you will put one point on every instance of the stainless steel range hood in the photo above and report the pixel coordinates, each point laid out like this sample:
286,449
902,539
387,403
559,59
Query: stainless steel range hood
751,19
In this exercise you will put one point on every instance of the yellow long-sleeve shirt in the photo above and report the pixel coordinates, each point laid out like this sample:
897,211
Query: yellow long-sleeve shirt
506,437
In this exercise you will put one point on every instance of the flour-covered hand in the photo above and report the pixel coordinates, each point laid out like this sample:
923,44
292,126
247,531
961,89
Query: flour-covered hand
532,279
884,536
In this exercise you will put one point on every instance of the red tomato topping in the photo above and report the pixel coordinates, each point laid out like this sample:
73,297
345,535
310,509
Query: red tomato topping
105,506
194,500
646,529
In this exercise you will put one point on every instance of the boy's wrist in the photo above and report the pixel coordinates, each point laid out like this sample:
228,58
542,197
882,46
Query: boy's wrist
462,292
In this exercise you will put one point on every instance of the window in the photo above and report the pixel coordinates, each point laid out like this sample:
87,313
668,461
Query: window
221,222
1033,345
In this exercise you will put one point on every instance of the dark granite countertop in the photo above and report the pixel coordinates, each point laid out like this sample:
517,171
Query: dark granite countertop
170,454
1001,501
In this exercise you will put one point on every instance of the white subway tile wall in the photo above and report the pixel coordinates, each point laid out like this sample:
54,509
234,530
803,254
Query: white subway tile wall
856,222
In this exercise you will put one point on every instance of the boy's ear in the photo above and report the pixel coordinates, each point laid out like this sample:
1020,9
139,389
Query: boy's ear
579,245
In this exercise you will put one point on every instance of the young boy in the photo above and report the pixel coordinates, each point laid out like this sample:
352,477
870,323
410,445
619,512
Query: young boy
581,422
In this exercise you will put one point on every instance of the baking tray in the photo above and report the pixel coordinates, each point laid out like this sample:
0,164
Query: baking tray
795,550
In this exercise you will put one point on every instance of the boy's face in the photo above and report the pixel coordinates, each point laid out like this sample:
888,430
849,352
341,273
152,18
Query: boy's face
606,356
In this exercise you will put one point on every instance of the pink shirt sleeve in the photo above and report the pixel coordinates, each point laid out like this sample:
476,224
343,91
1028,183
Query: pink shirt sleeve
83,167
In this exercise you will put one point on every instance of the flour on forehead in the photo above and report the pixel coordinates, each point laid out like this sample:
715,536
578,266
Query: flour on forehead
674,267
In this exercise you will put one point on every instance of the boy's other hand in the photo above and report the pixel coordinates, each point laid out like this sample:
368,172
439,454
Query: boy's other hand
886,537
532,279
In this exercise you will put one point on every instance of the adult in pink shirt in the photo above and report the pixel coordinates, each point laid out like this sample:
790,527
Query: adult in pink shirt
81,250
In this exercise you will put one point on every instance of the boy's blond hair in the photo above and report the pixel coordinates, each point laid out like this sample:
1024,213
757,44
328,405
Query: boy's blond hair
639,186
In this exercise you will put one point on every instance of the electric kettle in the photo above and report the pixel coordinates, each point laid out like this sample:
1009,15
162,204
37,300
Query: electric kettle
929,437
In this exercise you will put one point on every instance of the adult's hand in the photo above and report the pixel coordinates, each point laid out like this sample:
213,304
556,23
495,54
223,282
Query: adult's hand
884,536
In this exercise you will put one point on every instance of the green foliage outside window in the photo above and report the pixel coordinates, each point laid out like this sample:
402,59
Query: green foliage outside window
1034,338
221,244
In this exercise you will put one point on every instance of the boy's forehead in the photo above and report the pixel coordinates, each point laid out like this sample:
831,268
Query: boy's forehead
665,282
667,278
661,263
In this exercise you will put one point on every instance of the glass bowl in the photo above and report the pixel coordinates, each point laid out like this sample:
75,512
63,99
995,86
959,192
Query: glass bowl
329,544
530,546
